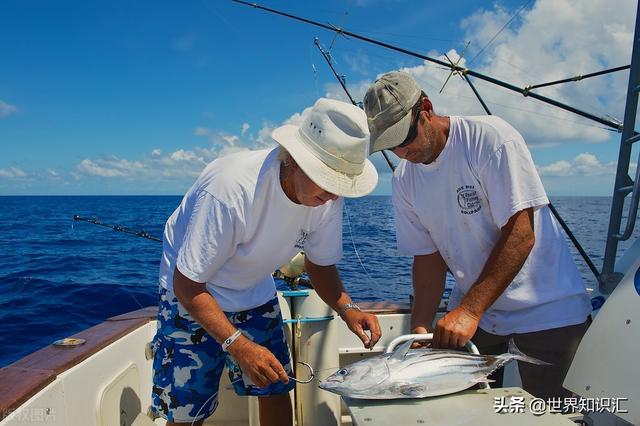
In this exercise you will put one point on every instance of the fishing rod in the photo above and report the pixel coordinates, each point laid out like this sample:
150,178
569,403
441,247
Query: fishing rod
293,281
464,71
141,233
555,212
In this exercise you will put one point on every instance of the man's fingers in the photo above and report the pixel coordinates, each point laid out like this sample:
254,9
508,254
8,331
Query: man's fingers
437,337
283,376
363,336
278,370
259,380
271,374
376,333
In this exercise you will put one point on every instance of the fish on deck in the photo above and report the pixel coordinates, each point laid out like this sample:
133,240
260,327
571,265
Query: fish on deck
418,373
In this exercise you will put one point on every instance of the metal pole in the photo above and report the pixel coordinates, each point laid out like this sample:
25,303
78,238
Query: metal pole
609,279
579,77
468,80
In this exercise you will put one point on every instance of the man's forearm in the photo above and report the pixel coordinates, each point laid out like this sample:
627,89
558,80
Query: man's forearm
428,284
505,261
202,306
329,288
425,306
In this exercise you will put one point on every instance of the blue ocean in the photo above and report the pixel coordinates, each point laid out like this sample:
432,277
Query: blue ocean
58,277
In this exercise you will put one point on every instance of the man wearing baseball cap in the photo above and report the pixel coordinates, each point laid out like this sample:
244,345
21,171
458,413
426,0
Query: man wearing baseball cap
244,216
467,198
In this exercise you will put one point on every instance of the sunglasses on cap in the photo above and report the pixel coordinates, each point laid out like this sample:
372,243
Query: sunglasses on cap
413,130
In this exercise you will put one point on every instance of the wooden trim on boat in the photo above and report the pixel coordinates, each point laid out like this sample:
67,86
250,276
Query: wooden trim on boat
27,376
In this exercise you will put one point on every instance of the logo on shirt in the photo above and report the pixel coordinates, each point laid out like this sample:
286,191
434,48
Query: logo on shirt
302,237
468,199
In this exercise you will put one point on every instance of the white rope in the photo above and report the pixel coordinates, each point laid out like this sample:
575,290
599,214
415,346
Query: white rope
353,243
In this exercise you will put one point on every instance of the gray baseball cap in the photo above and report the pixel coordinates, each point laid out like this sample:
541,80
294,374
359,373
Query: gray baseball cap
388,104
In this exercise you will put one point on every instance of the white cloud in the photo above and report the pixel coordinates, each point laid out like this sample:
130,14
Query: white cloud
110,167
231,139
52,173
358,61
13,173
182,155
7,109
585,164
178,164
202,131
245,128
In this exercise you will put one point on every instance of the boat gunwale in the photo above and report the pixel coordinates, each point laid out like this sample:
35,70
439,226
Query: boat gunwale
24,378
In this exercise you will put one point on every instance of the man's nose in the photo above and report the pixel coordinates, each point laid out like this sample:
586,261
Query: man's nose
328,196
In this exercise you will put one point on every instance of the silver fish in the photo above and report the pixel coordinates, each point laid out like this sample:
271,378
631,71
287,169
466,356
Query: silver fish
418,373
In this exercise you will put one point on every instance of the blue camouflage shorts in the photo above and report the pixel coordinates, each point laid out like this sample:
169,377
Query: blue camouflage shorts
188,362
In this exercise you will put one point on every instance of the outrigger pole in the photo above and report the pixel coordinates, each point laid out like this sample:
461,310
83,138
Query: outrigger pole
464,71
555,212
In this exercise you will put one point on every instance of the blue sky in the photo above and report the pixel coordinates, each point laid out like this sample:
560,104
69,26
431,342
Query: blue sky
129,97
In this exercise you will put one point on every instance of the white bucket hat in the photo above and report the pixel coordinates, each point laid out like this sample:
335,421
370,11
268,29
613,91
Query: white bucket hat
330,146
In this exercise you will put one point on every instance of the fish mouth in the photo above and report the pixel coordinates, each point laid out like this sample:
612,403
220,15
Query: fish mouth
328,383
331,384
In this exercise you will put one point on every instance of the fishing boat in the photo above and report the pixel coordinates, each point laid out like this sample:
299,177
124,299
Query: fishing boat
102,375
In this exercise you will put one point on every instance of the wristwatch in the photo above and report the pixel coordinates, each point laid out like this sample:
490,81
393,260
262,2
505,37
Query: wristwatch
348,306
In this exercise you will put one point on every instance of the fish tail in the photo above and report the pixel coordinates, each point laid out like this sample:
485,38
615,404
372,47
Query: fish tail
515,353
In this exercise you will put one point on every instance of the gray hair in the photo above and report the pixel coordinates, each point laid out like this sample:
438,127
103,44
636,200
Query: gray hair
283,154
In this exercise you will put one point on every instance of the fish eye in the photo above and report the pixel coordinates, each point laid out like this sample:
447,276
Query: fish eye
343,372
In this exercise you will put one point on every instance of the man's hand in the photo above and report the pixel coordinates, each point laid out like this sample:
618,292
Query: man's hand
358,322
420,343
257,362
455,329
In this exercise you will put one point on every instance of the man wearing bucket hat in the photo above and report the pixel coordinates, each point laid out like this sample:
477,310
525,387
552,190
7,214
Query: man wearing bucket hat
245,215
467,198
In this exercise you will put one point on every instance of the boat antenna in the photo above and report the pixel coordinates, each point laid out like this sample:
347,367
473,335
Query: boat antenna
454,66
141,233
602,120
338,31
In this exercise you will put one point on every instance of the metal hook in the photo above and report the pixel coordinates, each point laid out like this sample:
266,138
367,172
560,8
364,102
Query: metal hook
311,374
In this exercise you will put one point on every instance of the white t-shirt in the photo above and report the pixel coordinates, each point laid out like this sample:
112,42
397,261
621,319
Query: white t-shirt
457,206
235,226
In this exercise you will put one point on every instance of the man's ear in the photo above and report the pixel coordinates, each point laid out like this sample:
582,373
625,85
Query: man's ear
427,106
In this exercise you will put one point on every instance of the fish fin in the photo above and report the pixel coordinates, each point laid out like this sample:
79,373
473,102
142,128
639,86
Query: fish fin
515,353
412,390
400,352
